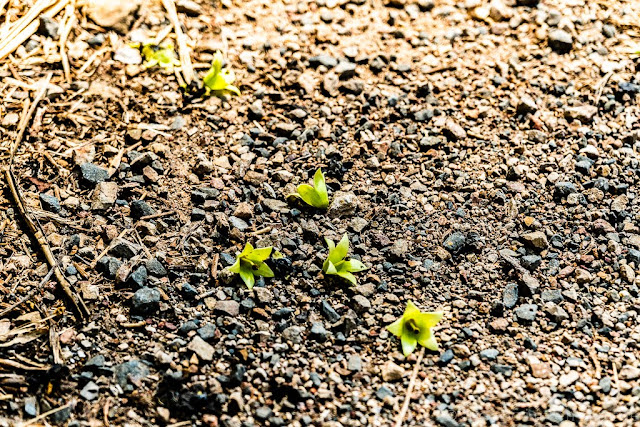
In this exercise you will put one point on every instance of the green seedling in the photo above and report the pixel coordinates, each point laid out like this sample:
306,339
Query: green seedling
162,56
219,80
315,196
414,327
250,263
337,264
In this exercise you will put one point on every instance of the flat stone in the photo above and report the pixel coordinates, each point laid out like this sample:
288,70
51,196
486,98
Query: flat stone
104,195
343,204
132,371
113,14
536,239
510,295
354,363
293,334
391,371
50,203
583,114
567,379
526,313
123,248
93,174
228,307
90,391
455,242
201,348
629,372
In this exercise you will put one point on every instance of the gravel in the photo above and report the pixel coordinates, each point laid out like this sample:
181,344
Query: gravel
481,156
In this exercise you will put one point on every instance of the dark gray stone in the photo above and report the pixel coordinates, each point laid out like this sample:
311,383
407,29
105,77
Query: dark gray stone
155,268
455,242
145,301
135,370
140,208
92,174
526,313
510,295
48,27
50,203
318,332
108,266
138,278
328,312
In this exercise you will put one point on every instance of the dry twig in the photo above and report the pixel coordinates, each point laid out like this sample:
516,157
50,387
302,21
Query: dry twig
26,26
183,48
412,382
34,227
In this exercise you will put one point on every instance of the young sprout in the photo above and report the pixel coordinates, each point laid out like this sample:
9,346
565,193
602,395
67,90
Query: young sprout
219,80
414,327
163,56
250,263
315,196
336,263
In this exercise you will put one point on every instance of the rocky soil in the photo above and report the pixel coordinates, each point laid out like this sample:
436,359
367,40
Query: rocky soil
482,157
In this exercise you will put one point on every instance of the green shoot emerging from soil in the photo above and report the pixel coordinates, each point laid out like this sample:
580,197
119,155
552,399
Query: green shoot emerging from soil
250,263
336,263
414,327
315,196
163,56
219,80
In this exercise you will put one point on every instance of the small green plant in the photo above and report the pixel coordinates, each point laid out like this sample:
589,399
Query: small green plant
337,264
414,327
219,80
163,56
315,196
250,263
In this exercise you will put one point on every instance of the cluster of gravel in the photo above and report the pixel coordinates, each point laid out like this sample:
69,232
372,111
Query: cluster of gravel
483,158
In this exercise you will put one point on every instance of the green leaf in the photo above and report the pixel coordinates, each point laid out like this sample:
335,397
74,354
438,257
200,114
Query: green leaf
247,277
248,248
409,343
235,268
396,327
219,80
353,265
330,244
310,195
321,189
348,276
340,250
329,268
260,254
263,270
164,56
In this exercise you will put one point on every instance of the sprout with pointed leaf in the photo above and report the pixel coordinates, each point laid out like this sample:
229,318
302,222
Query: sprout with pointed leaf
163,56
219,80
315,196
337,264
414,327
250,263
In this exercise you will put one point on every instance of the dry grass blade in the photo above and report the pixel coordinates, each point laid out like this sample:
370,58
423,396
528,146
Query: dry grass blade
25,28
17,365
29,295
69,20
183,48
412,382
44,415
